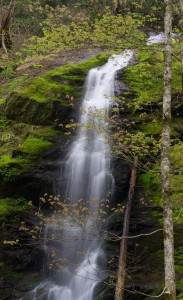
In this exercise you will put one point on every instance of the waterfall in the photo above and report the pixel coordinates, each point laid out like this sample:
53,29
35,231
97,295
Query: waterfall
88,178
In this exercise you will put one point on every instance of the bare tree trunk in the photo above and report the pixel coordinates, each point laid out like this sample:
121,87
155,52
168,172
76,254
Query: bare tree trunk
170,291
1,11
5,22
119,292
181,40
1,18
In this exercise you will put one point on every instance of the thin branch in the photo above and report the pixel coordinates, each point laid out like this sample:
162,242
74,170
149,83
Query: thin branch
143,234
137,292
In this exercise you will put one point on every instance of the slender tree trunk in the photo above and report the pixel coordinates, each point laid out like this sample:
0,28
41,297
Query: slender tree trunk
1,18
170,292
181,40
119,292
5,22
1,11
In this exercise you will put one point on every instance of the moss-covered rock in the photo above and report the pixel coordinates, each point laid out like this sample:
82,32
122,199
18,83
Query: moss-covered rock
50,97
145,79
32,112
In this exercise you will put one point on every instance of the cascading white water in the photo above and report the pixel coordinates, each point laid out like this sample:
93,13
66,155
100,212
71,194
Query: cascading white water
88,173
88,176
88,166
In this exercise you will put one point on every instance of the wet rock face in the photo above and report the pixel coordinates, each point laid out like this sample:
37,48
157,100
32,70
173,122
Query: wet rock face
22,108
43,177
22,263
47,176
121,174
119,86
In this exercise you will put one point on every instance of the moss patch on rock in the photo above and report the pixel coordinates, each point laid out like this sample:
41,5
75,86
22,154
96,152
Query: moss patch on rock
10,205
31,147
176,181
146,78
43,99
34,109
21,145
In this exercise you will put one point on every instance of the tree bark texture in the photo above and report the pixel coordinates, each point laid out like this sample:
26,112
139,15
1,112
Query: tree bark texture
181,40
170,291
119,292
5,22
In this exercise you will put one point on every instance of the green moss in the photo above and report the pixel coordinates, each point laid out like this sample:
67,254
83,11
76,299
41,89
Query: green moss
176,154
43,89
10,86
9,205
15,158
33,108
152,128
29,111
37,66
51,86
79,70
151,183
44,99
176,180
21,145
146,78
180,289
10,166
4,207
5,159
2,100
33,146
4,123
44,132
179,265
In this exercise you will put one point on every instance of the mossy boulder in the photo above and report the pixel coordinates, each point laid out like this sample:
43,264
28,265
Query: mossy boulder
145,79
50,97
24,109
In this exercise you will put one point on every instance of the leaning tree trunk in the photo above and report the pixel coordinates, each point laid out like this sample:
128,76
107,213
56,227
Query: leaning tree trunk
181,40
170,291
5,22
119,291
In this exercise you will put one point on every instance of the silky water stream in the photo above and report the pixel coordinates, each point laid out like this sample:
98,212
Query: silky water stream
88,174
